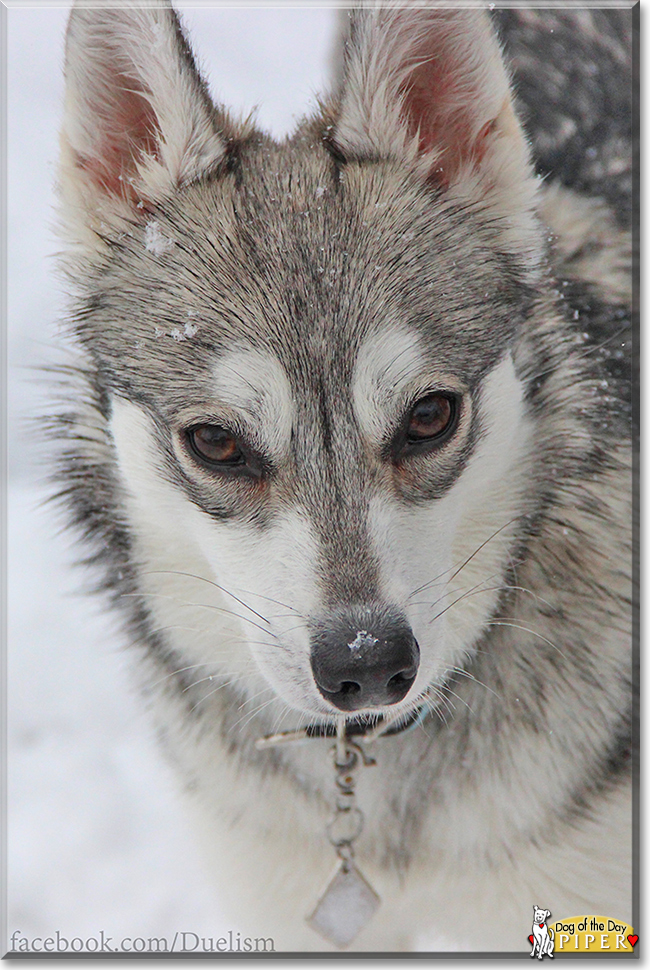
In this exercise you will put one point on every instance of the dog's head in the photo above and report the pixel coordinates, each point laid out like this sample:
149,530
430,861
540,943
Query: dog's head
540,915
306,352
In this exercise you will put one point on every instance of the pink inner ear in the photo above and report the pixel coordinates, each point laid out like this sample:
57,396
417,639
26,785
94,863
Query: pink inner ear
441,103
128,129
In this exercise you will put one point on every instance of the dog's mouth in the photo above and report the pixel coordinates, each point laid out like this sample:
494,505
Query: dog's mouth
367,726
361,728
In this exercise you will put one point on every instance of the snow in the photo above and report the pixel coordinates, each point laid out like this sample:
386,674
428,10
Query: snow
362,639
154,240
97,840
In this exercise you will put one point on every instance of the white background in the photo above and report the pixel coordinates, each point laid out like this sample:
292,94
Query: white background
96,838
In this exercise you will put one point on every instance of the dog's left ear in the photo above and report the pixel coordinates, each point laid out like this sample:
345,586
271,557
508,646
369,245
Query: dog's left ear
427,86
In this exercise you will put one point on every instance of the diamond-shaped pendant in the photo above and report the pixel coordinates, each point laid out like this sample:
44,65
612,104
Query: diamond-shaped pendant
345,907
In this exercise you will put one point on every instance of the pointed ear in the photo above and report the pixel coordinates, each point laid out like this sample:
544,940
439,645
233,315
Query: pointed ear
138,119
427,86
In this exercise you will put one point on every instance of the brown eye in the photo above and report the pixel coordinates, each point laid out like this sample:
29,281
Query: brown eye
221,451
215,445
432,418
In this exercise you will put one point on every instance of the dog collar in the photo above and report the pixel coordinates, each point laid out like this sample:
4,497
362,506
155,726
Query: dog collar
361,729
364,728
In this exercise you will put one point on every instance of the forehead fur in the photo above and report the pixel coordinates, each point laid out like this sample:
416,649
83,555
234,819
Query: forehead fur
294,254
388,363
254,383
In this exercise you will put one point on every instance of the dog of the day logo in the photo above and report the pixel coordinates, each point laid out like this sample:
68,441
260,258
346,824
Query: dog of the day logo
579,934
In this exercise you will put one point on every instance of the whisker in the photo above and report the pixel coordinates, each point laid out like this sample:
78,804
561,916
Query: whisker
534,633
469,592
448,689
536,596
203,680
465,563
256,712
436,708
247,718
258,693
227,683
482,545
282,616
211,582
210,677
293,629
165,628
461,672
244,619
180,670
277,724
204,606
286,606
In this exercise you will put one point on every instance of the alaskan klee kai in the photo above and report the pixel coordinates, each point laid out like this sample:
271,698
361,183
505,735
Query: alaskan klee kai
347,438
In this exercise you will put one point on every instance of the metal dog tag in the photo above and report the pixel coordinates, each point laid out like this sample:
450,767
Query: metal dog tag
345,907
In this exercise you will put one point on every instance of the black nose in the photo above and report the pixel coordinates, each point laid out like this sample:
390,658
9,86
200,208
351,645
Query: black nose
363,656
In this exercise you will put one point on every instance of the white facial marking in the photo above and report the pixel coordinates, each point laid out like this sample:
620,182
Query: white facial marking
230,597
256,384
387,364
273,572
432,563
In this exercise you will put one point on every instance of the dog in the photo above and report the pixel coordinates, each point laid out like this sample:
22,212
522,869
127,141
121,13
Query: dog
347,438
543,937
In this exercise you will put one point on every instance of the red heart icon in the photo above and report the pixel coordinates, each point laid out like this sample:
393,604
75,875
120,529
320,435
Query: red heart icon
632,939
531,939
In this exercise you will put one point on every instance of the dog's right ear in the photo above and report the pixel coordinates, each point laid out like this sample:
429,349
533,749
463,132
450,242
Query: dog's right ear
138,119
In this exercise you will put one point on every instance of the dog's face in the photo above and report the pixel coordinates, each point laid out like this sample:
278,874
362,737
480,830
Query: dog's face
335,452
540,915
313,398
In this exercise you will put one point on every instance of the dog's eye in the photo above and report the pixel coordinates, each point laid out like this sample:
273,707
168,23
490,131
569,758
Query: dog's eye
215,444
432,419
220,449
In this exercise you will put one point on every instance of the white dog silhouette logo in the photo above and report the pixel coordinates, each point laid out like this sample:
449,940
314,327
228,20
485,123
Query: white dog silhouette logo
542,938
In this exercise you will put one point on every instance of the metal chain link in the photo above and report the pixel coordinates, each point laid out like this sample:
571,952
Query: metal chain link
347,823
